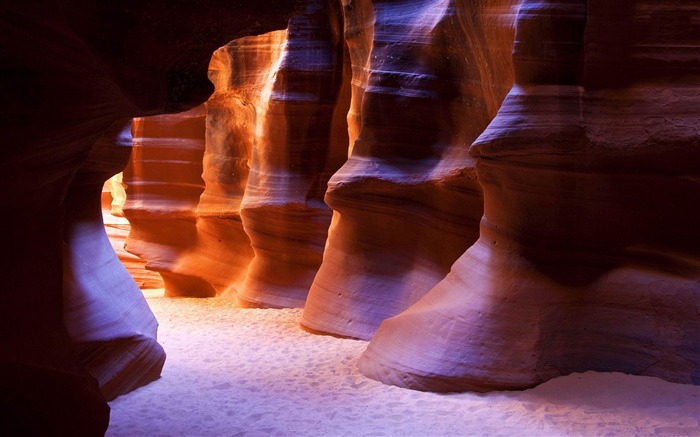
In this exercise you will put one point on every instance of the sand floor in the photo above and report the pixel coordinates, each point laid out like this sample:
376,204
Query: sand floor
236,372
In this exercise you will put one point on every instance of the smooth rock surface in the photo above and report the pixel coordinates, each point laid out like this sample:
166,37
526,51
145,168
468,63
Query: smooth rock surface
427,78
302,141
112,329
253,227
70,69
164,183
588,254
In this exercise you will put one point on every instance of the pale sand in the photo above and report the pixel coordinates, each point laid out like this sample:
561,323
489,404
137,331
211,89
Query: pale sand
237,372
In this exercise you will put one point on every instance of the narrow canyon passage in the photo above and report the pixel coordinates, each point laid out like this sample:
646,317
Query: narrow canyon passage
253,372
482,243
375,201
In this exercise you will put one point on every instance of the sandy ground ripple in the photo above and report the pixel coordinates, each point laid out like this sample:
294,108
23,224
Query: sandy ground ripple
243,372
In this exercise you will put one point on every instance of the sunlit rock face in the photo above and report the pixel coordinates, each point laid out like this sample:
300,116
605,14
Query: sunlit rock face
163,185
427,77
301,140
70,70
241,72
588,257
253,226
118,227
189,171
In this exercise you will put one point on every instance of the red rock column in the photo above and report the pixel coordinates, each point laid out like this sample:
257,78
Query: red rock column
163,185
241,72
428,76
107,318
588,256
301,140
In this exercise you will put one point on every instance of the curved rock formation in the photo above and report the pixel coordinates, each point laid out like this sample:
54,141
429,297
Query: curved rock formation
112,329
588,255
163,185
70,69
118,227
212,252
276,132
241,71
428,76
301,141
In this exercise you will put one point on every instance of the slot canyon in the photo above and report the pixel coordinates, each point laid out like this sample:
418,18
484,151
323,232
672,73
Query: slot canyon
482,195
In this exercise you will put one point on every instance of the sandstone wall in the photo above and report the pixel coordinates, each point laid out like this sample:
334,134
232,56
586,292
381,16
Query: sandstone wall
428,76
104,311
253,226
163,185
588,253
118,227
301,141
489,243
71,69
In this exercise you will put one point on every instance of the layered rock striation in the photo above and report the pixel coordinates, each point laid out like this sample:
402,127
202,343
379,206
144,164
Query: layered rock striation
253,227
242,73
427,77
111,327
490,253
163,185
118,227
301,140
588,251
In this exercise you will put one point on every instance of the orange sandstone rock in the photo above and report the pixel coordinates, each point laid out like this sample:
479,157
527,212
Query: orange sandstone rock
163,185
428,76
276,132
118,227
301,140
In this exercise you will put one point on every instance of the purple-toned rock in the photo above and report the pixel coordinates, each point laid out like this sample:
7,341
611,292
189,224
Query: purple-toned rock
427,78
112,329
588,255
70,69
